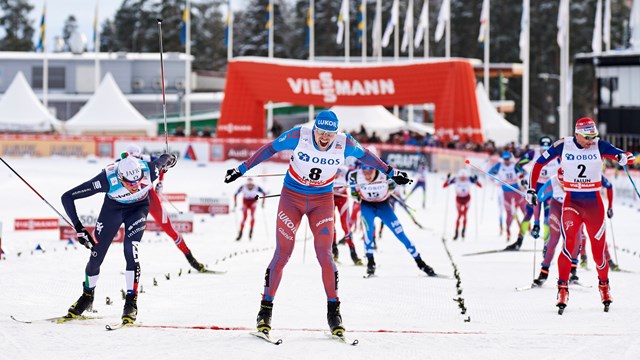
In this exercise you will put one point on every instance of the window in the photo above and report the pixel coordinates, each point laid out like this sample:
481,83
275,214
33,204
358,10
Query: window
56,77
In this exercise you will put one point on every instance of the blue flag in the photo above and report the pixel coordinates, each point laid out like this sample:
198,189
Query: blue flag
41,41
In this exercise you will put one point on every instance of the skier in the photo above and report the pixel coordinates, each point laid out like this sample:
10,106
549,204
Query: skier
421,182
370,186
340,199
160,215
127,184
249,193
308,190
463,184
511,173
582,168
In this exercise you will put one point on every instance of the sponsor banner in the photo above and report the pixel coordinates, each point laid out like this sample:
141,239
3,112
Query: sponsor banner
45,148
175,197
194,149
405,160
183,223
213,206
242,150
35,224
68,233
251,82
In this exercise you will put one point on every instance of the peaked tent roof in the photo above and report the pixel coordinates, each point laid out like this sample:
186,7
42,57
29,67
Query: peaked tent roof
108,112
373,118
22,111
494,126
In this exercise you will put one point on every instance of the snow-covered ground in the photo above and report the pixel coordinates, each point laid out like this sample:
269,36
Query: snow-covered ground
400,314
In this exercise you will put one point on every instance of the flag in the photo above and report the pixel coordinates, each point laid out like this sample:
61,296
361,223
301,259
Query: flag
443,17
361,30
183,27
393,21
268,24
375,33
484,17
563,17
596,40
41,41
95,30
227,24
343,17
524,24
408,28
606,29
309,24
422,24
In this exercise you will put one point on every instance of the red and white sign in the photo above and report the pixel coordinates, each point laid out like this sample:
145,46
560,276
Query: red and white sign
68,233
213,206
175,197
182,223
35,224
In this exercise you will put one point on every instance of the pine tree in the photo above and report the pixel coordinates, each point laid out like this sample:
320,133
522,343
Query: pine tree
14,19
251,33
207,43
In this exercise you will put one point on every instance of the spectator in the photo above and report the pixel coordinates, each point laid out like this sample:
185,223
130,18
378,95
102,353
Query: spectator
206,132
179,131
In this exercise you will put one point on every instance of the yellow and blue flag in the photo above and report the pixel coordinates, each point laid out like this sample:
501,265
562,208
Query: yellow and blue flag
268,24
308,32
361,29
227,24
41,41
183,27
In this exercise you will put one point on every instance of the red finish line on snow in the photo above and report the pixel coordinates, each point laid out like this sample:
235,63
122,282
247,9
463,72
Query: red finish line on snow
241,328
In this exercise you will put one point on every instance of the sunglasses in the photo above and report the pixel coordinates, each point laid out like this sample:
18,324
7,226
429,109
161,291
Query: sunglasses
590,137
130,183
325,132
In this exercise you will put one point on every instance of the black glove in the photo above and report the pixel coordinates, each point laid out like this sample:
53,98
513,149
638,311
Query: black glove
159,187
172,161
524,183
610,213
232,175
168,161
532,197
400,177
84,237
448,176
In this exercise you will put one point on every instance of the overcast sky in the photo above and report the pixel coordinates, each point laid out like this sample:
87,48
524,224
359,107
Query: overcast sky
84,11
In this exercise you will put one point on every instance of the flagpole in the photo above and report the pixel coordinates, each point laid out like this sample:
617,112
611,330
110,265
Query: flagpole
379,33
525,76
312,47
396,51
45,63
410,39
96,50
607,25
229,31
426,33
564,60
187,71
347,50
271,26
487,45
363,38
448,32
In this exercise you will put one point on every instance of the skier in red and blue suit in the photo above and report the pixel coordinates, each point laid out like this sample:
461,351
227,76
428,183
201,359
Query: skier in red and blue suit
581,161
308,190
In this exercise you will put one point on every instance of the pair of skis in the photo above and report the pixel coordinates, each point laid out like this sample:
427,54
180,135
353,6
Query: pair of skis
266,336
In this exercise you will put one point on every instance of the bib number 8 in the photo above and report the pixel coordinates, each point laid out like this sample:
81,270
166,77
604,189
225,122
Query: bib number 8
314,174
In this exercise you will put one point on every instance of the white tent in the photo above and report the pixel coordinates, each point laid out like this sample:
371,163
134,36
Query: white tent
108,112
494,126
22,111
374,119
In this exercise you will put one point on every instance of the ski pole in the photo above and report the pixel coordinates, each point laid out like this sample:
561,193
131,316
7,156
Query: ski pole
262,175
164,198
37,193
630,179
164,101
613,240
335,188
496,179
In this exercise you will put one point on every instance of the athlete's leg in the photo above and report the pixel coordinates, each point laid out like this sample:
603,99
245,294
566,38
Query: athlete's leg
135,220
107,226
320,213
386,214
571,221
593,212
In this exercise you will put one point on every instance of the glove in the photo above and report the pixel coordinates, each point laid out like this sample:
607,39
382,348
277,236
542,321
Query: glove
159,187
610,213
400,177
84,237
625,158
532,197
448,176
232,175
524,183
172,161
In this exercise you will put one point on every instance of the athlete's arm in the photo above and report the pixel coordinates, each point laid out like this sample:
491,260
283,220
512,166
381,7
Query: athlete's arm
356,150
550,154
99,184
287,141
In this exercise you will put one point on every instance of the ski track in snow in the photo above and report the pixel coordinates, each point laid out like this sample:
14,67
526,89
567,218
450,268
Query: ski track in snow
399,314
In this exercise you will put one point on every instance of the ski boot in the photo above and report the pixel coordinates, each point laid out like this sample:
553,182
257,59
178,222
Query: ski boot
516,245
355,258
250,234
424,267
605,294
563,296
334,250
239,236
464,229
130,310
194,263
371,265
85,302
613,265
542,277
263,321
583,261
574,276
535,231
455,235
334,318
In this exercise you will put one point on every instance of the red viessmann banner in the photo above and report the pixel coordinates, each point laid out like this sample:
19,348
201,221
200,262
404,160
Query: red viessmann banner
253,81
